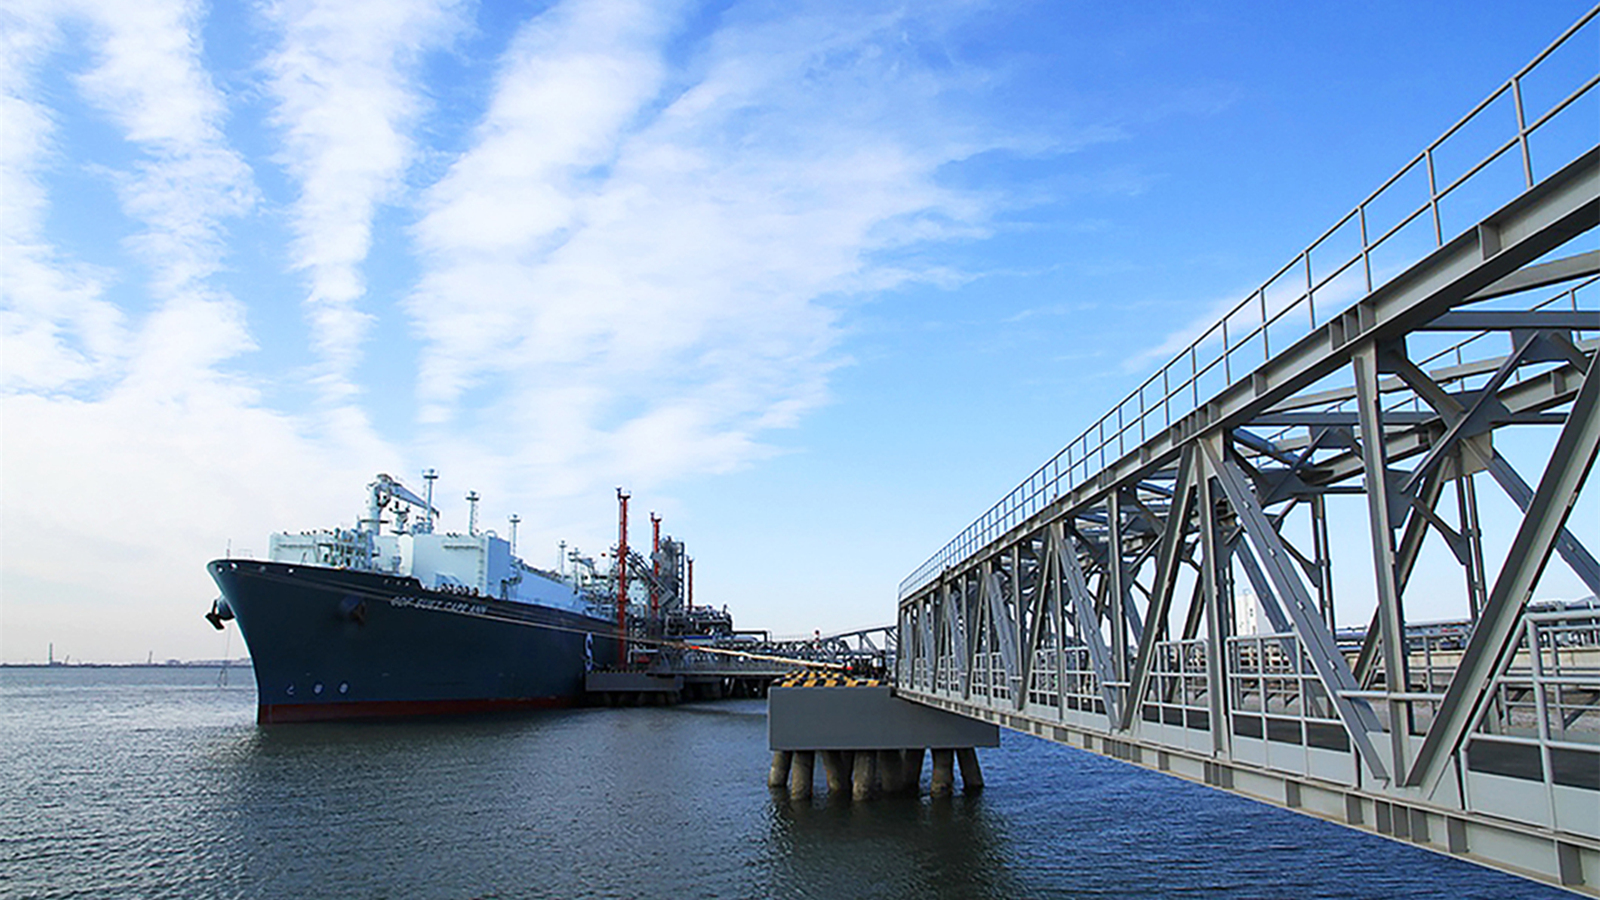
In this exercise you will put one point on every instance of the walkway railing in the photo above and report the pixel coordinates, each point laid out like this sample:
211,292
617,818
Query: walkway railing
1448,186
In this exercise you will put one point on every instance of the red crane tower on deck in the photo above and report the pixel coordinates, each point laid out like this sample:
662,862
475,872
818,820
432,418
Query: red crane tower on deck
622,575
655,565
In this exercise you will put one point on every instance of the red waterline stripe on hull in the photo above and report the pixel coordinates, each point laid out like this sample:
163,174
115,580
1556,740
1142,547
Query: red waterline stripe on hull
270,714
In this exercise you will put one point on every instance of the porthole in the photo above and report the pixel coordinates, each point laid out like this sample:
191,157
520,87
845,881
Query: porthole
316,688
344,687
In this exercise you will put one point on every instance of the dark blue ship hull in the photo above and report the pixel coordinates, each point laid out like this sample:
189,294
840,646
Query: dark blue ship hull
340,644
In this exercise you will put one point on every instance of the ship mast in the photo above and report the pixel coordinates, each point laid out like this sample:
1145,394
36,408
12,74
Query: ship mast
430,475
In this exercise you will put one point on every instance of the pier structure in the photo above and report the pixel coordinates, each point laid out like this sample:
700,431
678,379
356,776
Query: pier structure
1169,589
730,664
869,743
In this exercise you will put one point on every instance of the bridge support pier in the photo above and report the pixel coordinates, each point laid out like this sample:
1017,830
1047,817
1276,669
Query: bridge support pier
890,767
911,771
869,739
835,770
778,776
943,782
971,774
864,772
800,775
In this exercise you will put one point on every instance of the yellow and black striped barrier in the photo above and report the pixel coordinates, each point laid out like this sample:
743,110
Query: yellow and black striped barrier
810,678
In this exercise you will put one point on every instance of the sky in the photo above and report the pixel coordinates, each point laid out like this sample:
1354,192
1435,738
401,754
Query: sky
816,282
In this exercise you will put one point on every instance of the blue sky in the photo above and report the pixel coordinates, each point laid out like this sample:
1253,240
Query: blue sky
816,281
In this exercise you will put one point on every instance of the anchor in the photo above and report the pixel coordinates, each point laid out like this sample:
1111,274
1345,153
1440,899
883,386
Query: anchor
220,612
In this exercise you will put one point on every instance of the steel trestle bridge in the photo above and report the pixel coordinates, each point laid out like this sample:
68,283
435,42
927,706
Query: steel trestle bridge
1162,590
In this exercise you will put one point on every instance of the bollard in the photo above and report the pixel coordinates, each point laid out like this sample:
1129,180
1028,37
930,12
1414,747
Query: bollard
912,772
863,772
833,768
944,773
971,774
800,775
778,776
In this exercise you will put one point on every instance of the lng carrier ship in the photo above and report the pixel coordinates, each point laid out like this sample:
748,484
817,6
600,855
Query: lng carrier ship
364,622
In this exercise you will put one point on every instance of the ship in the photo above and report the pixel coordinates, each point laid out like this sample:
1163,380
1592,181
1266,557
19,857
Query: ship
376,622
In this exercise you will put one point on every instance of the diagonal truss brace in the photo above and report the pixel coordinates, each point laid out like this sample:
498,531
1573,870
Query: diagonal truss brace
1120,574
1045,610
1473,419
1168,556
1571,550
1088,624
929,649
1453,412
1002,628
1267,597
951,611
1492,639
1358,717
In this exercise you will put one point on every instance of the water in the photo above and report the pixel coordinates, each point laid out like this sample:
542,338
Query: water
157,783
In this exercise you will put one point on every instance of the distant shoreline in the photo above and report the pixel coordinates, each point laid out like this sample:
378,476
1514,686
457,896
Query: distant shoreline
171,664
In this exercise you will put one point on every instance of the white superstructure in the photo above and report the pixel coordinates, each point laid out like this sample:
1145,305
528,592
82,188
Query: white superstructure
477,563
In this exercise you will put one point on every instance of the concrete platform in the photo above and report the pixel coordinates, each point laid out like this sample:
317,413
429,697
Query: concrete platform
865,718
631,682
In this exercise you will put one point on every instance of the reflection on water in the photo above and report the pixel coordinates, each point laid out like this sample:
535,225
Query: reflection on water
147,782
891,847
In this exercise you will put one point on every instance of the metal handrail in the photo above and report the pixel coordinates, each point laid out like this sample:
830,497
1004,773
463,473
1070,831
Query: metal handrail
1093,450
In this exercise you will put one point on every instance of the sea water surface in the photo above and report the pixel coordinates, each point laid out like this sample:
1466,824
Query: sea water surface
156,782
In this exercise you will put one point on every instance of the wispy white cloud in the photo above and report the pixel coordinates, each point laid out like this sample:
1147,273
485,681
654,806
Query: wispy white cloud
1179,339
637,270
346,83
1049,310
128,484
149,79
56,329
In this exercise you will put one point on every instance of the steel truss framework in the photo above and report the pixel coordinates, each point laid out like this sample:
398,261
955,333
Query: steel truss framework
1100,604
862,652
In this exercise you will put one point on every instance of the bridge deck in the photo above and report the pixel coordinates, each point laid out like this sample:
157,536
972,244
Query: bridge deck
1162,590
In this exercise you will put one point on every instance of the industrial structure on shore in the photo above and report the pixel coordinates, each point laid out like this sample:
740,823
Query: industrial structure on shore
675,650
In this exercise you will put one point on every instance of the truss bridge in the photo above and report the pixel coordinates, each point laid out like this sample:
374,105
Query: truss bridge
1213,580
758,655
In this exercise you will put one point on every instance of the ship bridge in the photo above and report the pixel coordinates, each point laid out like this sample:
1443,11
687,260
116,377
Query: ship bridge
1162,590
